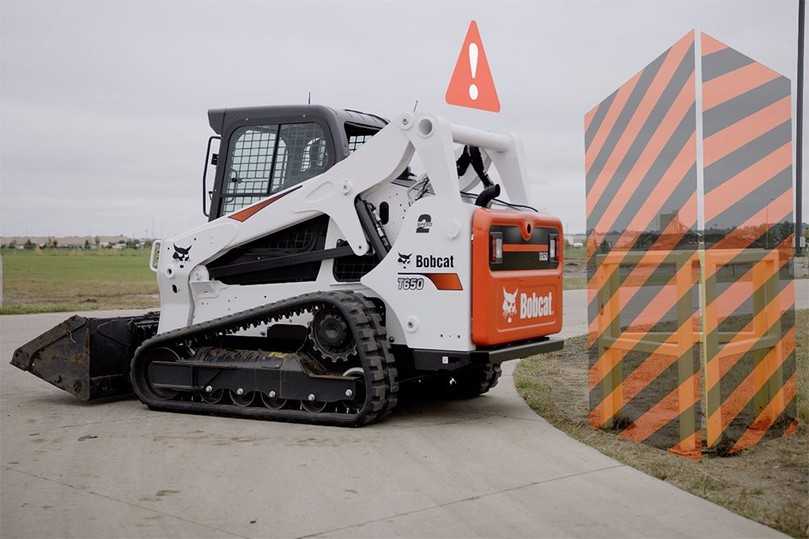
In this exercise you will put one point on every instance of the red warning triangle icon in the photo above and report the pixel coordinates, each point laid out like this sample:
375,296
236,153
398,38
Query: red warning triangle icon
471,84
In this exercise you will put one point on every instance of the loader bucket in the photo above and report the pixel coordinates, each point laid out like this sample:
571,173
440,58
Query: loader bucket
88,357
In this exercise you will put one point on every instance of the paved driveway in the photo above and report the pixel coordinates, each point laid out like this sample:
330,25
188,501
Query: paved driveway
489,467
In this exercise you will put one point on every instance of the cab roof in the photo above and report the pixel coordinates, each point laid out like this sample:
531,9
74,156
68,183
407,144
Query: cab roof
219,118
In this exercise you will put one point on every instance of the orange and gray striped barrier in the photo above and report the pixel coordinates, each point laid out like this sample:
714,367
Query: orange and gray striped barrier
660,302
641,253
749,356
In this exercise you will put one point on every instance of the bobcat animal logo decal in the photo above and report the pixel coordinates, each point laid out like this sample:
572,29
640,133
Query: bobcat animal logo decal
404,260
180,254
509,304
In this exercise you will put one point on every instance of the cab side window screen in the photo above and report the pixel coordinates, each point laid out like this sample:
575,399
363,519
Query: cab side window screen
304,155
265,159
358,135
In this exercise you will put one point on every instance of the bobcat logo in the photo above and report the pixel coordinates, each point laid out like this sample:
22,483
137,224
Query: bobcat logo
509,304
404,260
181,254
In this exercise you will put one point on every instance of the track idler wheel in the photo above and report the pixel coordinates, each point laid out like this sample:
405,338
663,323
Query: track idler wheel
211,395
164,354
242,398
312,405
271,400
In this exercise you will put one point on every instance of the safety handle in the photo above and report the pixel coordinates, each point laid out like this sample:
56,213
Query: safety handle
482,139
208,160
154,256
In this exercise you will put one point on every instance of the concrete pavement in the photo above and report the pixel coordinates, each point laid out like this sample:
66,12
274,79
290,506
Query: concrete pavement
488,467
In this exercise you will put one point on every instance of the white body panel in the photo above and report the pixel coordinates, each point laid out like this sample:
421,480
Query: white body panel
430,318
422,317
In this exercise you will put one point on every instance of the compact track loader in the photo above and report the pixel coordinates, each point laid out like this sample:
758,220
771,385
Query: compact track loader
344,255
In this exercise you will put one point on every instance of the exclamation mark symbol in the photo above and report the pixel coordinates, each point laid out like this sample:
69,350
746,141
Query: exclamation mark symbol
473,66
471,83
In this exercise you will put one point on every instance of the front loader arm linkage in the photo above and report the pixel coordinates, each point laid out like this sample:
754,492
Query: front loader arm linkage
188,370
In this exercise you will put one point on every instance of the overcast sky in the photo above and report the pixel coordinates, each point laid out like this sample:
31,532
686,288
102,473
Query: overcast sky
104,103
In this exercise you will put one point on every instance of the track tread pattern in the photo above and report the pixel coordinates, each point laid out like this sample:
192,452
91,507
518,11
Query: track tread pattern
367,328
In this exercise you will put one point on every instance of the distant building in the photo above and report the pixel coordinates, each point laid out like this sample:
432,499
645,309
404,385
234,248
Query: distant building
575,240
74,242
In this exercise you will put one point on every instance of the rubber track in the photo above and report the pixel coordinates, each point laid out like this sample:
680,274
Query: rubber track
477,380
366,326
489,377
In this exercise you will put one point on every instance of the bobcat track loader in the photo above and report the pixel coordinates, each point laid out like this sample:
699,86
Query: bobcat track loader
329,272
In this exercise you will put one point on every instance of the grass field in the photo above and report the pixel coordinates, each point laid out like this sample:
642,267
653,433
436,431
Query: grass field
49,280
52,280
768,483
575,270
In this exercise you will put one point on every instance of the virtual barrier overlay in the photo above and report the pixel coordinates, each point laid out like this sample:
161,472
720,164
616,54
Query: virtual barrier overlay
641,253
749,359
660,372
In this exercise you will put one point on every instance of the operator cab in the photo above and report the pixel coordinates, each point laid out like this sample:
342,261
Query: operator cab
264,150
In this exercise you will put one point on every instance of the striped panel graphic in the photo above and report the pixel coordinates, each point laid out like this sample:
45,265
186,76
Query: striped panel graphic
642,263
749,356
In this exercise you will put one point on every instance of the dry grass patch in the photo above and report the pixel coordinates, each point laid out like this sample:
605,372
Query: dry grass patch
768,483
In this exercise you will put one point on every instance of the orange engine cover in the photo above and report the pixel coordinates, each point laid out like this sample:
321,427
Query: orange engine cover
517,295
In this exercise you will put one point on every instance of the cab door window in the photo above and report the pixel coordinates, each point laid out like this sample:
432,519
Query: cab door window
265,159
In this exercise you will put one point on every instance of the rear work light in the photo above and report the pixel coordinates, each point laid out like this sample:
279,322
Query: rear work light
552,246
496,250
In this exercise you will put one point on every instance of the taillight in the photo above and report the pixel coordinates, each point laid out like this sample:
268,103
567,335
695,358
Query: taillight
496,250
552,246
